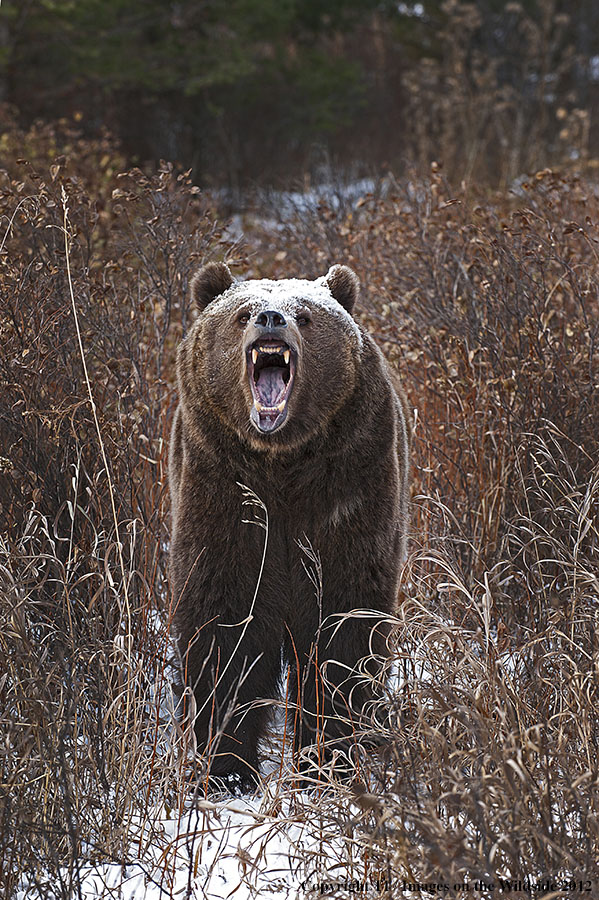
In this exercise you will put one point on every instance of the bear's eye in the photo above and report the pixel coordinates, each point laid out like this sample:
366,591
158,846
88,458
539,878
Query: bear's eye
243,318
303,320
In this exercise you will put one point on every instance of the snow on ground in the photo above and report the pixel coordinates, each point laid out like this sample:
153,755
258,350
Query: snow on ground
274,209
244,847
278,843
217,850
223,850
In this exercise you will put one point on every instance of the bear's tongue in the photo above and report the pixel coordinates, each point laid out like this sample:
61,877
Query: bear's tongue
270,385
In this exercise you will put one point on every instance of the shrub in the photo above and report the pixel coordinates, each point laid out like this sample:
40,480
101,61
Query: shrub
83,591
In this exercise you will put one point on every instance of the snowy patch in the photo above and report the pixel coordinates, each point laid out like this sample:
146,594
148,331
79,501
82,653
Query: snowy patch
245,848
288,296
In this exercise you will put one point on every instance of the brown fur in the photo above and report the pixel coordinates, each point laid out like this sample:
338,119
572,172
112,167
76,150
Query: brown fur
336,473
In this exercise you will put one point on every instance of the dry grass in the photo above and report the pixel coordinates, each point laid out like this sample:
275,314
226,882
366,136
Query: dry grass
487,761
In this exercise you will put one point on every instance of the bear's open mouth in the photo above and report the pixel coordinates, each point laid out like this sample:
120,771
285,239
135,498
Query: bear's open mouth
271,371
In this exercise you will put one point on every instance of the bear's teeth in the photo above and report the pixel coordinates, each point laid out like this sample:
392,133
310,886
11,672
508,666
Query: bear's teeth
269,409
286,355
254,356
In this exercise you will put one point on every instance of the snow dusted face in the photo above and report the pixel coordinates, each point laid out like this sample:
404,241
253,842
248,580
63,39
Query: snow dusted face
274,359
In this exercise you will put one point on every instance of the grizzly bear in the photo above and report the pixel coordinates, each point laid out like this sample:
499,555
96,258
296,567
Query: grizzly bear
281,392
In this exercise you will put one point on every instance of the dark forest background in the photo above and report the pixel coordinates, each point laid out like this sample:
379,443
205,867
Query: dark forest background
264,91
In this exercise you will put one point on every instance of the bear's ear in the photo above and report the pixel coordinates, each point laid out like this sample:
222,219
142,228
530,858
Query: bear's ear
212,279
344,285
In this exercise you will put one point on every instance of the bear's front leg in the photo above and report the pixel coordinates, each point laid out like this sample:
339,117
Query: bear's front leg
233,670
338,638
336,682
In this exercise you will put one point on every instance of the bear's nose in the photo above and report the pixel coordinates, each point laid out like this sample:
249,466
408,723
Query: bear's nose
270,318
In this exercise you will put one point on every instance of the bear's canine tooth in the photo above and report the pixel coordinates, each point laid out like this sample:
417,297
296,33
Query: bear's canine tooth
286,355
281,406
258,406
254,356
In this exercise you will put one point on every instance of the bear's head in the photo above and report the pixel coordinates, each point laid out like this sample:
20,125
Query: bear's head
272,360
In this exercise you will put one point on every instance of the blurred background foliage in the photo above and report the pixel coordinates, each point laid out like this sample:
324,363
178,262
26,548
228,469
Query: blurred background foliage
259,91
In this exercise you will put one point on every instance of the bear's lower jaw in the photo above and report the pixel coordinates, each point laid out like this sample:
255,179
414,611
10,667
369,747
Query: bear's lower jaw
266,418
